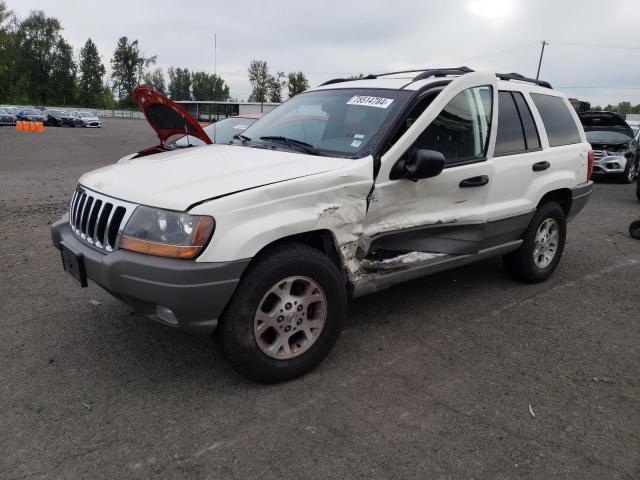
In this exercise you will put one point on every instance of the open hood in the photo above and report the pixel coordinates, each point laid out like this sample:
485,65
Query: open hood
166,117
609,121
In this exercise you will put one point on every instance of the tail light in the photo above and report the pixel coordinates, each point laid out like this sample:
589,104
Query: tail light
589,164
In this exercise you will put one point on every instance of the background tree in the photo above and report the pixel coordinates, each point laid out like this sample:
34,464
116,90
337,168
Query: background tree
155,80
43,54
179,83
128,68
297,83
275,84
8,49
90,82
259,80
209,87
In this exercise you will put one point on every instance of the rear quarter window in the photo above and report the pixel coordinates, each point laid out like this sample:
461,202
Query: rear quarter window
560,126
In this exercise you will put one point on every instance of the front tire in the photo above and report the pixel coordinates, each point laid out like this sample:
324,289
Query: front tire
629,172
285,316
634,229
542,247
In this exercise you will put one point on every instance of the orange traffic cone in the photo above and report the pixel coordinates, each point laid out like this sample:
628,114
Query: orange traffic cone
32,126
19,126
39,127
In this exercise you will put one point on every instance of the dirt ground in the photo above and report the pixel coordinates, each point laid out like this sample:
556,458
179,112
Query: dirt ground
464,374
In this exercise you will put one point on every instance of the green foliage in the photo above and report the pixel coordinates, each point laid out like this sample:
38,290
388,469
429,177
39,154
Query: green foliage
297,83
91,74
209,87
259,80
128,68
155,80
45,68
179,83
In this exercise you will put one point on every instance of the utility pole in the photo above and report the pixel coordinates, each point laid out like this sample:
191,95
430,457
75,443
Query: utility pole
540,61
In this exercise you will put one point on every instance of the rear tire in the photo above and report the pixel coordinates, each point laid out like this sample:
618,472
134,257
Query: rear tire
285,316
542,247
634,229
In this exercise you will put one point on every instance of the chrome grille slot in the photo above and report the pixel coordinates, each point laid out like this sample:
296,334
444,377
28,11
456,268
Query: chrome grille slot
98,219
598,154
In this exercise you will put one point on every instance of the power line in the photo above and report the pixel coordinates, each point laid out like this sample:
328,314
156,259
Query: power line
599,87
498,52
595,45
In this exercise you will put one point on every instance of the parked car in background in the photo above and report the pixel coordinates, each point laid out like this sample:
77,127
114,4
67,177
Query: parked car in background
220,132
6,117
614,146
87,119
31,115
61,118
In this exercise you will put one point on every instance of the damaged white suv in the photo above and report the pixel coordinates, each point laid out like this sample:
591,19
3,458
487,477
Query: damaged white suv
341,191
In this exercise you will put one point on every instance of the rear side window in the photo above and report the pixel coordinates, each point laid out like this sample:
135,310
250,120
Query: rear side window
517,130
531,137
558,122
509,137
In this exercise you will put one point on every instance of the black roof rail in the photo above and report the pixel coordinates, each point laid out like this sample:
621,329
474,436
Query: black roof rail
442,72
522,78
424,73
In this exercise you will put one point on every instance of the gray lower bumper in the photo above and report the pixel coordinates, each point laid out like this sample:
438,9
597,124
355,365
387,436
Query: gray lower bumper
195,293
580,195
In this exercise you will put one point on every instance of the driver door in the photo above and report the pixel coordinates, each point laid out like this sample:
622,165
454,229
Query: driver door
446,213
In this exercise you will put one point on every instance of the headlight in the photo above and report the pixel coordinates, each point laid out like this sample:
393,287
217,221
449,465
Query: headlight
166,233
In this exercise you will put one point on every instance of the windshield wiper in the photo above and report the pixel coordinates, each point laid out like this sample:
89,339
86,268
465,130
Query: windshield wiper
293,143
244,138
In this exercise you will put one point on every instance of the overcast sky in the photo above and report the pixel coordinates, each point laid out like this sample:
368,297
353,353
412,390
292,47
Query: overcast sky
591,43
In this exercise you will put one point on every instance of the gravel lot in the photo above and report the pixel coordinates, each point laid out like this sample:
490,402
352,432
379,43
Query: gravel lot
431,379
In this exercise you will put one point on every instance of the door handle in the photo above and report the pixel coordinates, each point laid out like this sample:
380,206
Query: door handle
540,166
474,181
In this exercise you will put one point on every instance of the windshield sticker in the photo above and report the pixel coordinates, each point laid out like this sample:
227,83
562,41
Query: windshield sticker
240,127
356,143
377,102
358,136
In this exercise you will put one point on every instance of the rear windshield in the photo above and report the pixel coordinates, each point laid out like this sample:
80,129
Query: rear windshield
338,122
58,112
606,136
558,122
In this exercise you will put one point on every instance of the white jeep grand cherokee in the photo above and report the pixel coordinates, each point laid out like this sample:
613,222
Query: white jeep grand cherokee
341,191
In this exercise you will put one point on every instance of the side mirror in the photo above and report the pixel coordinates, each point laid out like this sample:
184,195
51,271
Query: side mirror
419,164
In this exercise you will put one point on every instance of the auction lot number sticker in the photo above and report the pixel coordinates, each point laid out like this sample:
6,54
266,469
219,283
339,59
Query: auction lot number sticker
378,102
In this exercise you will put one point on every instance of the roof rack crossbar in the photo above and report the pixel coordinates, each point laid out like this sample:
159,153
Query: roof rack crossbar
442,72
522,78
423,73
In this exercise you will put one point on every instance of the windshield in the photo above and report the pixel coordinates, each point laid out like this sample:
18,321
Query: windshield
86,114
60,113
220,132
606,136
30,112
3,110
340,122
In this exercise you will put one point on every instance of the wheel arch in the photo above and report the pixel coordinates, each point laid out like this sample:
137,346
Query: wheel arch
561,196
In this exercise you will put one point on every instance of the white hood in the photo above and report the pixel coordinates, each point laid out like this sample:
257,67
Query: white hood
176,180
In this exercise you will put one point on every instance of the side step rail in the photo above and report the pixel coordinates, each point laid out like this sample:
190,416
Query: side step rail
380,280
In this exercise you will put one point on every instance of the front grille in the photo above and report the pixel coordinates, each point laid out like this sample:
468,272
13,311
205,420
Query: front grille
598,154
98,219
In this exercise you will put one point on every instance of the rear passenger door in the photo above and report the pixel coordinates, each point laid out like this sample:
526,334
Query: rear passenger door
538,149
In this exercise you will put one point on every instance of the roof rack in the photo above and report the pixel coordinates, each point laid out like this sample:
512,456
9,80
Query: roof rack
423,73
522,78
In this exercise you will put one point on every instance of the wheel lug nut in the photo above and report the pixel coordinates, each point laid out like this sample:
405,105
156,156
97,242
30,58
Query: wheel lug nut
299,308
280,318
288,306
299,321
287,328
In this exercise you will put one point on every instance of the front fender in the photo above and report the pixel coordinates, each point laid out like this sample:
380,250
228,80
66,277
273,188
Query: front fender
248,221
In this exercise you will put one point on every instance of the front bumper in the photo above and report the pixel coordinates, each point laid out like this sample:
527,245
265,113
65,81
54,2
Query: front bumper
181,293
610,165
580,195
